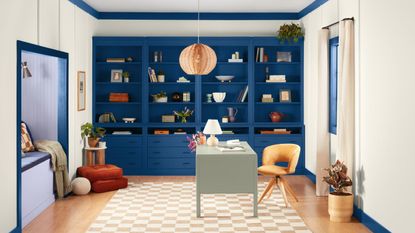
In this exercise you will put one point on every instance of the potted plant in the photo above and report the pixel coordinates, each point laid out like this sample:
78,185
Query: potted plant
126,76
94,134
160,97
184,114
340,200
290,32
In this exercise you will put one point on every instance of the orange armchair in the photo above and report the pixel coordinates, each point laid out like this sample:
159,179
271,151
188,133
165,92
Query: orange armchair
289,153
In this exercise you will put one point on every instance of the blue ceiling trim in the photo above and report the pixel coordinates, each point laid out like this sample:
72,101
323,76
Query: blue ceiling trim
193,15
87,8
314,5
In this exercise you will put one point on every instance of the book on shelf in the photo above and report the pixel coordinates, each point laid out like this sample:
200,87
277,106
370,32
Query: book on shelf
276,81
227,132
152,75
161,131
275,131
115,60
179,133
235,60
245,93
122,133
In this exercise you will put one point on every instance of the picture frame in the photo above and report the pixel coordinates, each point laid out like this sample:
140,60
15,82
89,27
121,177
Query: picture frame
285,95
116,76
284,57
81,90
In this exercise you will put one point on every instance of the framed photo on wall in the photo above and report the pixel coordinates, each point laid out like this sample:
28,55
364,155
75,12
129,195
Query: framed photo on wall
285,95
116,76
81,90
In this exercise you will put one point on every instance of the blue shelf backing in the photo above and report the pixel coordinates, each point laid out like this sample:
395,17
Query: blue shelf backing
144,152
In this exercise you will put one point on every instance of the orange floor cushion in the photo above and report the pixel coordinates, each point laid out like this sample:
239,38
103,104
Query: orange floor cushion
100,172
101,186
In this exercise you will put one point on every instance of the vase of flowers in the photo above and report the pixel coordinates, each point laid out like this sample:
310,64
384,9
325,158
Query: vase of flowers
197,139
340,200
184,114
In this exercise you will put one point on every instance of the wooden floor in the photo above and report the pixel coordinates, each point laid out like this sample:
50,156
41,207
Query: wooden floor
74,214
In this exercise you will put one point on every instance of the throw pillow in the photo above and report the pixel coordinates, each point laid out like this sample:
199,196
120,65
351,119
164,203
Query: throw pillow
26,140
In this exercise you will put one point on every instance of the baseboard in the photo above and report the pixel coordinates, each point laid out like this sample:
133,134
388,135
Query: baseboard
368,221
310,175
16,230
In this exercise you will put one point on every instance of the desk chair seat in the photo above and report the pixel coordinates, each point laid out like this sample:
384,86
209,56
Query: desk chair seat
289,153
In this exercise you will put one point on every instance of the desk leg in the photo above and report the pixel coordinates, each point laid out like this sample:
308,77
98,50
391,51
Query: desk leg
198,204
90,158
255,198
100,157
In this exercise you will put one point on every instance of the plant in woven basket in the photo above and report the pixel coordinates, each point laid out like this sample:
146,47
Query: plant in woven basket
290,33
337,178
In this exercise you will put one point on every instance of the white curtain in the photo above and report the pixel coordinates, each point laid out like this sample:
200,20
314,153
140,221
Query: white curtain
346,95
323,135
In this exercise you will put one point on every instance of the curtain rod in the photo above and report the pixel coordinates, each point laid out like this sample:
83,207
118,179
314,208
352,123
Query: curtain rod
330,25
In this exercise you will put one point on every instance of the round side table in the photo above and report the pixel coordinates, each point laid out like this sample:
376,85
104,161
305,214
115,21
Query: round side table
95,155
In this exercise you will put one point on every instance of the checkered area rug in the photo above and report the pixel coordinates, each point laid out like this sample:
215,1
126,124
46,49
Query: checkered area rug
171,207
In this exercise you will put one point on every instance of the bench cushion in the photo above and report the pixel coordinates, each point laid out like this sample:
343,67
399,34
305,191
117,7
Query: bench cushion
101,186
100,172
34,158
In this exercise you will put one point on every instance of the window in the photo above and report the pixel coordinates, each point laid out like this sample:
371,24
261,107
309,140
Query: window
333,59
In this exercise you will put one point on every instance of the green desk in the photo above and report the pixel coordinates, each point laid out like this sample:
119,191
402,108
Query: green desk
226,172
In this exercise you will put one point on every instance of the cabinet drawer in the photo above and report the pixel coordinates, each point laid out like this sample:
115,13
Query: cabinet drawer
169,152
263,141
124,152
124,141
171,163
168,140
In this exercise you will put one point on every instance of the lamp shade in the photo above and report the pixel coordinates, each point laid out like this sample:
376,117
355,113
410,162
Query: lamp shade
212,127
197,59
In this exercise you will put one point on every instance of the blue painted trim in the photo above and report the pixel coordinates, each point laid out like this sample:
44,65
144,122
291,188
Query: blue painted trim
333,70
314,5
24,46
193,16
368,221
87,8
310,175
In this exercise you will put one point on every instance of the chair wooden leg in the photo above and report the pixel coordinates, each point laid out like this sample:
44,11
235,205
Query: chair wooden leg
269,186
282,188
289,189
272,189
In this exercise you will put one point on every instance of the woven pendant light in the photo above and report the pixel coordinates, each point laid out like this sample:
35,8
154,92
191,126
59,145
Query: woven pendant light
197,59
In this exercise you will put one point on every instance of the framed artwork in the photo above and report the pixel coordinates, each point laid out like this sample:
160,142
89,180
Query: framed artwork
81,90
116,76
285,95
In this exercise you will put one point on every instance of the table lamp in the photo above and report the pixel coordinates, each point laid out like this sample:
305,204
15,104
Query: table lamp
212,127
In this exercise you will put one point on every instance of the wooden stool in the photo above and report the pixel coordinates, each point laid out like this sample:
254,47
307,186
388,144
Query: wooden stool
95,155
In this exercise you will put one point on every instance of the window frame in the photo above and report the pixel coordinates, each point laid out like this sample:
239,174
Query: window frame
333,78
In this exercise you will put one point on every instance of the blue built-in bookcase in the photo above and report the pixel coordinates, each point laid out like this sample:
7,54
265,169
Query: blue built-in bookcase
145,153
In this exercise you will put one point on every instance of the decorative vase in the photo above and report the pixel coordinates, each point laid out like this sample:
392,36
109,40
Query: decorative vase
276,116
92,142
176,97
340,207
184,120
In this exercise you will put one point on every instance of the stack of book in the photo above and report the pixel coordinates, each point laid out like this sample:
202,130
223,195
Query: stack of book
161,131
275,131
122,133
242,95
152,75
116,60
267,98
276,79
259,54
227,132
179,131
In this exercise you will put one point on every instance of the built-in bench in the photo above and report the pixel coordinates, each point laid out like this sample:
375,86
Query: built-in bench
37,185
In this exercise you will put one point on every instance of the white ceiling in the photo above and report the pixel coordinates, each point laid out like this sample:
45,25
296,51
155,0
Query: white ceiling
205,5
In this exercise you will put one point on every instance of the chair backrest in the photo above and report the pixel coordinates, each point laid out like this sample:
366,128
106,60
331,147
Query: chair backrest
282,153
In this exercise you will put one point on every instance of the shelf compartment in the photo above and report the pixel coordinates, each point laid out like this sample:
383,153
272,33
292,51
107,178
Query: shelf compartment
211,111
125,84
101,63
116,125
271,51
226,103
118,103
277,63
112,51
103,73
171,103
119,111
224,83
159,137
278,103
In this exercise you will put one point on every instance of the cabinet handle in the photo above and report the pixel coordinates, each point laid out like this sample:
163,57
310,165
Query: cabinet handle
156,141
186,163
156,152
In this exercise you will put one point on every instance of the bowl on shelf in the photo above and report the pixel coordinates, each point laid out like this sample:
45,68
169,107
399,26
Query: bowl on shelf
128,119
224,78
219,97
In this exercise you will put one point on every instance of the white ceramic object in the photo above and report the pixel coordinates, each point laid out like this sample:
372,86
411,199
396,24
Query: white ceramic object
161,100
224,78
219,97
128,120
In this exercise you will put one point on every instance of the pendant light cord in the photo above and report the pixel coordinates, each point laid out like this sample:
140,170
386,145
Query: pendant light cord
198,20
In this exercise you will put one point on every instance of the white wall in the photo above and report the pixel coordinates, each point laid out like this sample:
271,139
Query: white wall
71,32
384,105
188,28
